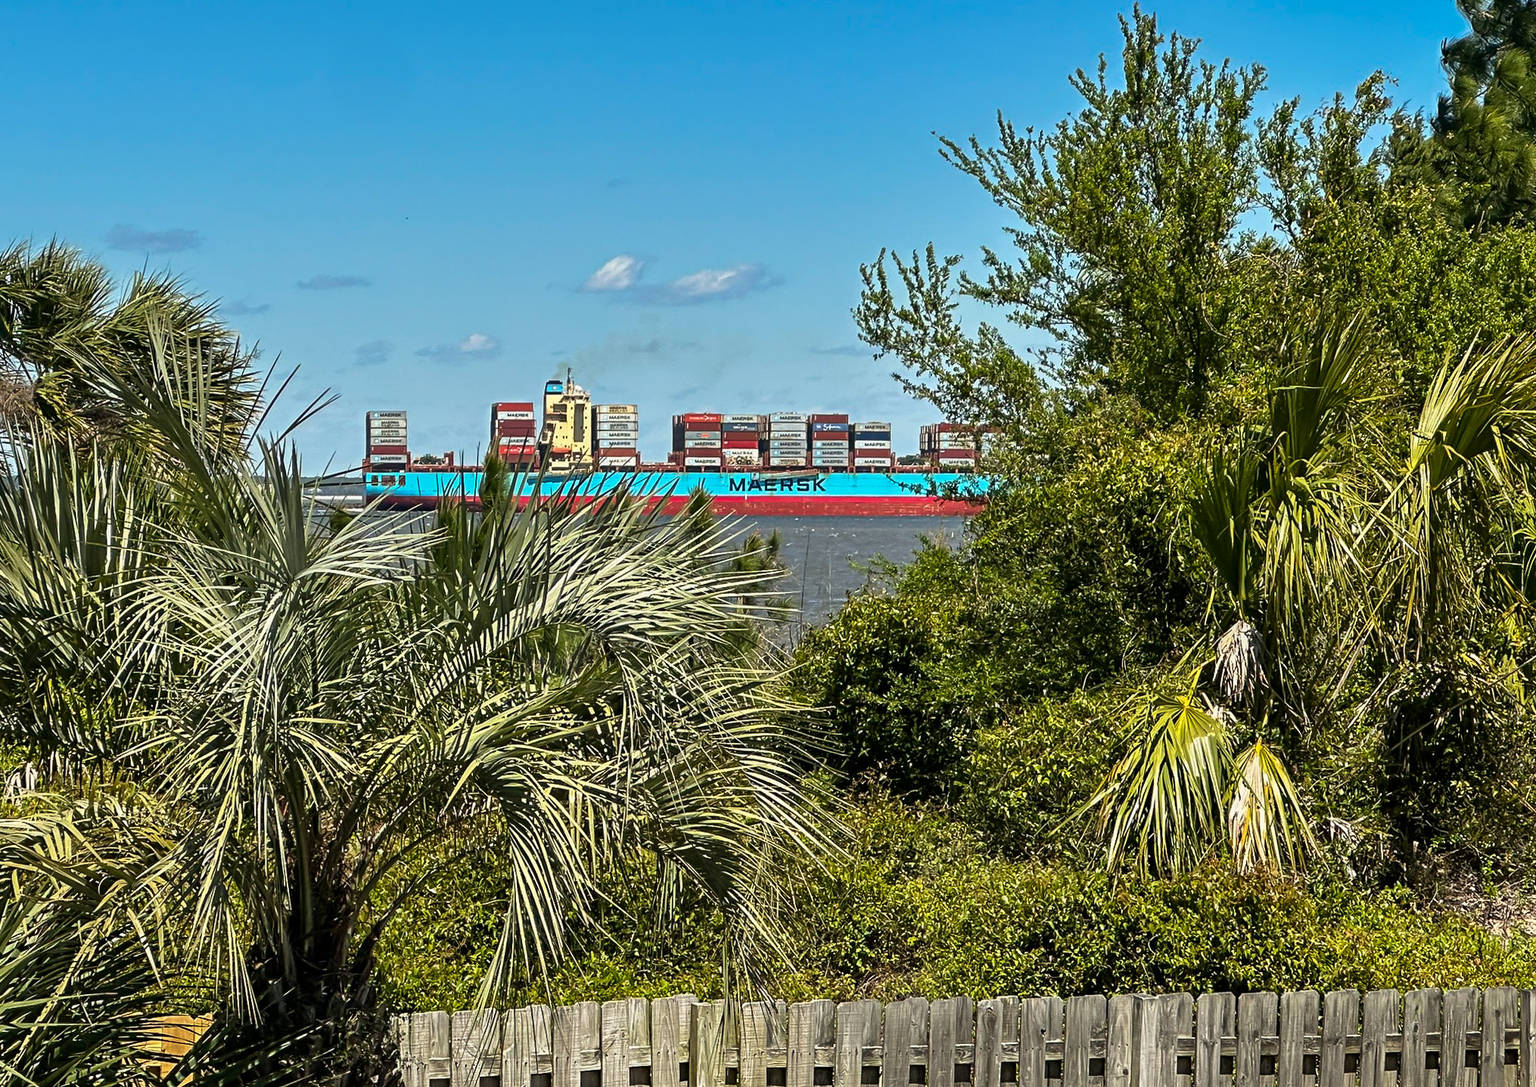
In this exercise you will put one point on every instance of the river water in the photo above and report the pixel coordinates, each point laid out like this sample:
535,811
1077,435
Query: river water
828,556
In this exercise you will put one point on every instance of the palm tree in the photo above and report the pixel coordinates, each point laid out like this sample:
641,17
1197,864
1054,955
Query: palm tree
60,322
1328,549
309,709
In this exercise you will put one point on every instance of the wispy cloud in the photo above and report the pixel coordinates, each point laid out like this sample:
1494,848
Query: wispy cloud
373,352
851,349
658,345
172,240
620,273
328,282
621,276
242,308
709,284
477,345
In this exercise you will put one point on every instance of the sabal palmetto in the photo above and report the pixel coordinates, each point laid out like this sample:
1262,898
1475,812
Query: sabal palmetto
310,706
61,321
1325,548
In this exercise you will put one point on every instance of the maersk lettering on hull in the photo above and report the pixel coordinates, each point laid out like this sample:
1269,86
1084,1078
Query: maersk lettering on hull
840,494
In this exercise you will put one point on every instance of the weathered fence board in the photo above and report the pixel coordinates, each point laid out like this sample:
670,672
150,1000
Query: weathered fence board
1422,1038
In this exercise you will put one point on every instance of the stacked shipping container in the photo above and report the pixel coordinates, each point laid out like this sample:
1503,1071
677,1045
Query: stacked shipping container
786,443
616,436
949,445
872,450
739,442
829,436
385,444
696,441
514,434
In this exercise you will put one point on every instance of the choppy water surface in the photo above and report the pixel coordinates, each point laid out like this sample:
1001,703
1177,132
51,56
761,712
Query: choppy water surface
827,556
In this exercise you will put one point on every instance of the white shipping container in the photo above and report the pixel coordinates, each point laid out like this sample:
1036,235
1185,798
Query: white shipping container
789,416
738,419
617,409
701,462
390,459
386,415
872,426
873,462
702,443
871,443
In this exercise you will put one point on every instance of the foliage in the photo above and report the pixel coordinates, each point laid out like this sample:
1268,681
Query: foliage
1126,212
60,327
1484,127
306,709
922,908
902,697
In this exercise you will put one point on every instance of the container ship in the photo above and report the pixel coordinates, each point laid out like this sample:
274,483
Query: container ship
780,463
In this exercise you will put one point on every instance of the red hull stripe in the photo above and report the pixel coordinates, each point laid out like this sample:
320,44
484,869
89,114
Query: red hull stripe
761,505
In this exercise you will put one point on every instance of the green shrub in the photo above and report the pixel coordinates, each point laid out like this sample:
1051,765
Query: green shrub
1026,778
900,696
924,909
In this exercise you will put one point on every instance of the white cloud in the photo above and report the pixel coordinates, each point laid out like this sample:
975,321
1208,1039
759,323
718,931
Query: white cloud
621,276
710,281
477,345
617,274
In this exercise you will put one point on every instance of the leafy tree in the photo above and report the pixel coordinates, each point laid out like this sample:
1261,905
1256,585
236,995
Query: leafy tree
1484,132
1128,212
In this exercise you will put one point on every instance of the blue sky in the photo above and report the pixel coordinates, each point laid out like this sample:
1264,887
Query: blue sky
431,207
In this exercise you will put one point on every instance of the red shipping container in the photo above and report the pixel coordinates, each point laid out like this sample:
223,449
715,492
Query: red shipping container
617,451
513,405
698,417
712,451
507,430
386,450
829,418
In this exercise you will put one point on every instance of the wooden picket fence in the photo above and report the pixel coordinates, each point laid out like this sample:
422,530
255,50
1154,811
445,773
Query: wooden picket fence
1423,1038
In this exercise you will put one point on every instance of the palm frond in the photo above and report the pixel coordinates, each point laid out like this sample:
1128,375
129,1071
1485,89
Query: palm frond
1267,826
1161,807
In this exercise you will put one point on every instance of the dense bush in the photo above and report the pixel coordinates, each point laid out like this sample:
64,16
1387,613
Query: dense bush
924,906
925,909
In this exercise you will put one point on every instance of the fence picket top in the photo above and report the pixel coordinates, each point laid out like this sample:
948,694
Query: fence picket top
1119,1044
1460,1018
1421,1016
1215,1022
1257,1021
1381,1024
1341,1020
1085,1039
1298,1036
1501,1006
1527,1044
